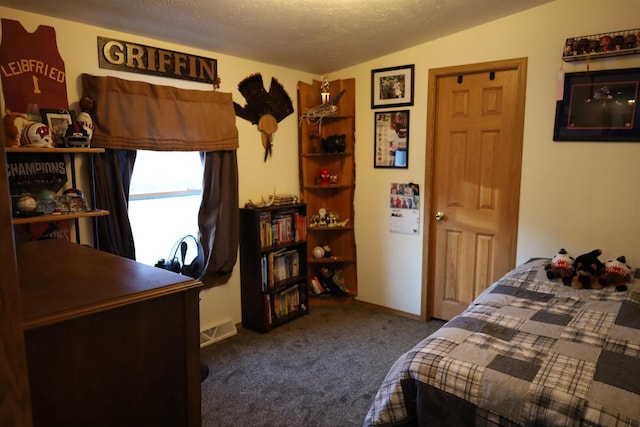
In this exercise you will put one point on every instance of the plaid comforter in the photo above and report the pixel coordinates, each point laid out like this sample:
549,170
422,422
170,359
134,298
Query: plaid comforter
527,351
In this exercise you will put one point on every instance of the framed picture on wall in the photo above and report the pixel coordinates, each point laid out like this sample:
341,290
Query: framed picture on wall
599,106
391,147
392,87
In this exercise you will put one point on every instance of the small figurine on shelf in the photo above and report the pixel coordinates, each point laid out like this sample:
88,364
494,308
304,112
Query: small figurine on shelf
630,41
322,217
87,105
326,251
324,178
605,43
333,179
332,218
342,223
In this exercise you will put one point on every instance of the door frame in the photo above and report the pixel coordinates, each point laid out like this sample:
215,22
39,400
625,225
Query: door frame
428,251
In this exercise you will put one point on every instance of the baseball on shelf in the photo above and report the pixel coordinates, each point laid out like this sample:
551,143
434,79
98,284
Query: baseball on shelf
317,252
26,204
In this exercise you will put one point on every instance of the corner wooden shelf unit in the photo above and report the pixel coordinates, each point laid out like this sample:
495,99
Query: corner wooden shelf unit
336,197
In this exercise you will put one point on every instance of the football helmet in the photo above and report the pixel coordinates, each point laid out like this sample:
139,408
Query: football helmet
76,135
73,200
36,135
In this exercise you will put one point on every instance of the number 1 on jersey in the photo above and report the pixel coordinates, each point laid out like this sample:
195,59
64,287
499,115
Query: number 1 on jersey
36,86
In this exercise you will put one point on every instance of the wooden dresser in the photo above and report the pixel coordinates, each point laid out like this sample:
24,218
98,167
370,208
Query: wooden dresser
109,341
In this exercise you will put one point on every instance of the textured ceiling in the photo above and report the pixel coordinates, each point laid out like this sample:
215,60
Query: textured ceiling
317,36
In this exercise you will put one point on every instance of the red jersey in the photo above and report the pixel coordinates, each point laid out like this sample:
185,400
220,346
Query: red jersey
31,68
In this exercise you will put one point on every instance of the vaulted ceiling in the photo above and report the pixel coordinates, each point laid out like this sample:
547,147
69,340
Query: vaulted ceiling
316,36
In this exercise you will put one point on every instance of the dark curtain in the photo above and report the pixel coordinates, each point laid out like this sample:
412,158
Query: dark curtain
218,219
113,170
132,116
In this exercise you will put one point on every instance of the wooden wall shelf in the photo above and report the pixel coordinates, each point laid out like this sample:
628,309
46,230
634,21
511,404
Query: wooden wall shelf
328,187
601,55
327,228
344,154
331,260
57,150
59,217
602,45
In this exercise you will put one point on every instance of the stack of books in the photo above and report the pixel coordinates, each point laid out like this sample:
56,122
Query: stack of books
284,199
282,228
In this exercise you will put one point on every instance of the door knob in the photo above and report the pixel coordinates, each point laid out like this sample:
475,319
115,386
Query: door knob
439,216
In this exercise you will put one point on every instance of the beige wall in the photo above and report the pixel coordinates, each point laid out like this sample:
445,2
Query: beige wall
78,46
579,196
574,195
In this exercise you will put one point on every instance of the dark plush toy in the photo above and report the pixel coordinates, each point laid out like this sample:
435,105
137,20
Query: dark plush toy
617,273
326,279
561,267
588,268
334,143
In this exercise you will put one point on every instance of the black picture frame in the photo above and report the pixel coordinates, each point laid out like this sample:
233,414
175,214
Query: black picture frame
57,120
391,145
392,86
599,106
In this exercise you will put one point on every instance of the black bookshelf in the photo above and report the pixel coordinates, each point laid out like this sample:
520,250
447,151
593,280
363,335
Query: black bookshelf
273,265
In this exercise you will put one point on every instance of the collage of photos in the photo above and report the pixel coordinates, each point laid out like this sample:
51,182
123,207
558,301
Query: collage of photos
404,203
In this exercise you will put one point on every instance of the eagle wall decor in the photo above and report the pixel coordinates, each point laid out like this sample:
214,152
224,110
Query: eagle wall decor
264,109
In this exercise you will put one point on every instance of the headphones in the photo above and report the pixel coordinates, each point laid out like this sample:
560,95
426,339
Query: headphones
177,258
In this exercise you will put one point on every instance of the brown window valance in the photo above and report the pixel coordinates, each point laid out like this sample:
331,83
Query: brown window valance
134,115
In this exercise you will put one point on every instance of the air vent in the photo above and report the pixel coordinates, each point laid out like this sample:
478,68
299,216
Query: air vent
217,331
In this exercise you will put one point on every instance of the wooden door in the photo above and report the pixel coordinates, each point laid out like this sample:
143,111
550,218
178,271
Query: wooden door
477,156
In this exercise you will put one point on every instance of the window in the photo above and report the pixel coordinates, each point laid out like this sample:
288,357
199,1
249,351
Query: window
164,198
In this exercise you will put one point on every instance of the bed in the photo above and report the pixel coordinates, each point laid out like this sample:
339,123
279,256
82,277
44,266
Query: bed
527,351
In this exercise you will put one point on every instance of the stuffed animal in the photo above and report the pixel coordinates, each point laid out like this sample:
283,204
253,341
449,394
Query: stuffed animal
616,272
13,123
561,267
334,143
326,281
587,267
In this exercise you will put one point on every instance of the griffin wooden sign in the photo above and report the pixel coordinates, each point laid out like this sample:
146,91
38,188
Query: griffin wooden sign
137,58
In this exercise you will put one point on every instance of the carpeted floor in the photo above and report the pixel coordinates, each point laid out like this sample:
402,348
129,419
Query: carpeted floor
322,369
